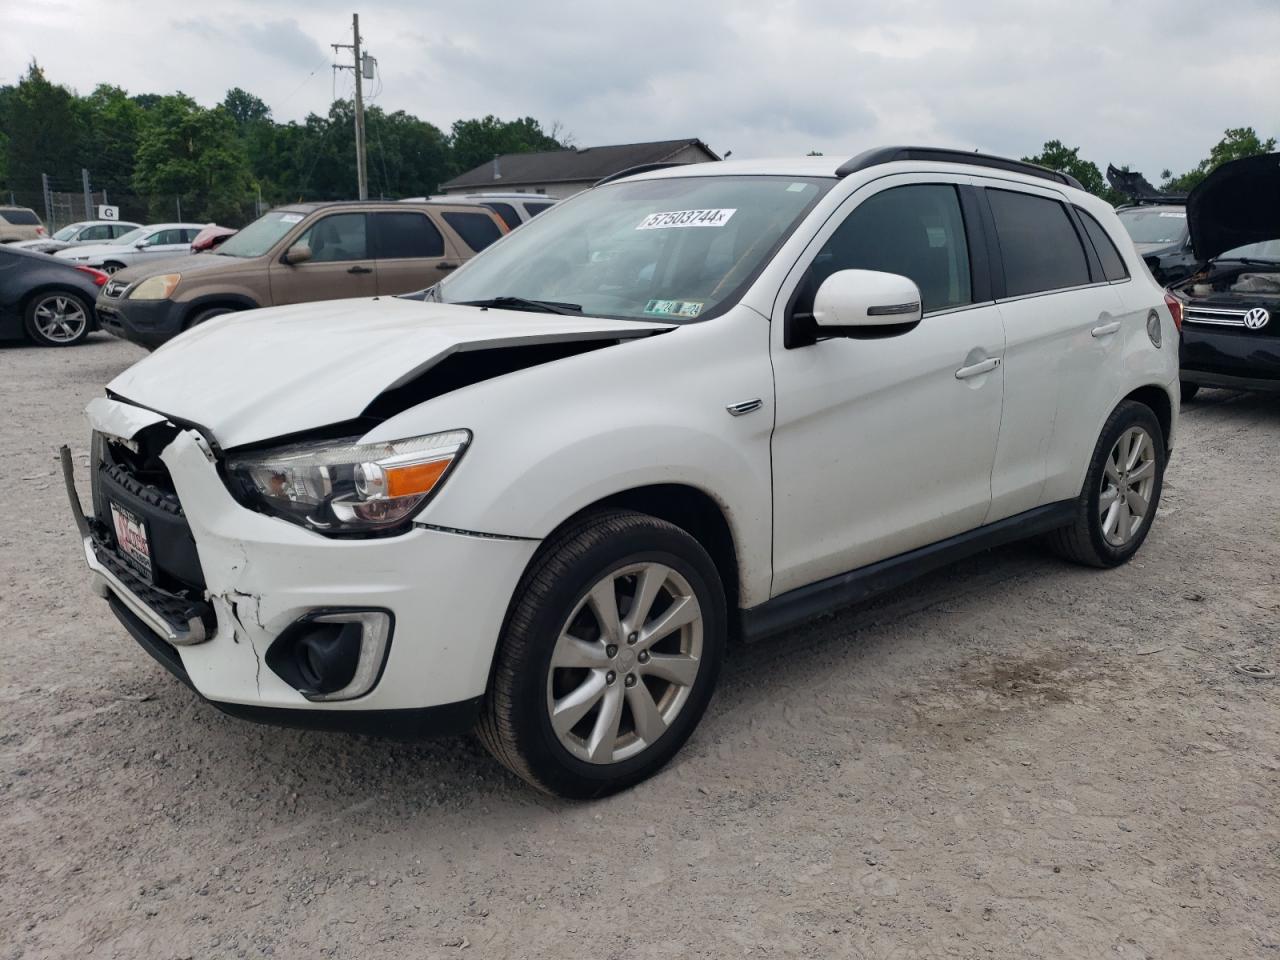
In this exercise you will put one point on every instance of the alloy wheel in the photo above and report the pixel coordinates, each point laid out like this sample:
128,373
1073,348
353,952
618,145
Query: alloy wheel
625,663
1128,481
60,318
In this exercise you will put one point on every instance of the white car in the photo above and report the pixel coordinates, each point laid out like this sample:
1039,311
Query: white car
682,409
80,234
148,244
513,208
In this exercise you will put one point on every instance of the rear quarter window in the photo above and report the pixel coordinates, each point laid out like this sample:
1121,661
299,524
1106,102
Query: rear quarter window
477,230
19,217
1038,242
1113,267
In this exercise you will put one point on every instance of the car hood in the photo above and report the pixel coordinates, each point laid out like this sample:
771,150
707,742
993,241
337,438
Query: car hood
184,264
1238,203
261,374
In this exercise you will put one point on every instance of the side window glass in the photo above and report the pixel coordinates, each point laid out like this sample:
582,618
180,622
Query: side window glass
340,236
477,230
1038,242
916,231
95,233
506,212
1113,267
157,238
407,235
533,209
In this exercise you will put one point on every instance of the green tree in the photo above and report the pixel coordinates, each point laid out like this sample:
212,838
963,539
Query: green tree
1236,143
1058,156
474,142
43,126
192,154
111,121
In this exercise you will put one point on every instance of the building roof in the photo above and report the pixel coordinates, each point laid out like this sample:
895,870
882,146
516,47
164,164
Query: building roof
555,166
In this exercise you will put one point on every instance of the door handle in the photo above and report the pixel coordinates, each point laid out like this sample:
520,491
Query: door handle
1106,330
446,266
978,369
359,269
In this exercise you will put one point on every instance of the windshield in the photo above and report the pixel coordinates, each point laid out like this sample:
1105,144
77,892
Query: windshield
672,249
1155,224
67,233
1263,250
133,236
261,235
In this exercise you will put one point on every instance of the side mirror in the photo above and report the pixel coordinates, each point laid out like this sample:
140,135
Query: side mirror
298,253
865,298
140,244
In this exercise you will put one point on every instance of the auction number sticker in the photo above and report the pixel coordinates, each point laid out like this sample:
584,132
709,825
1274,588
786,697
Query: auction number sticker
686,218
291,218
674,308
1174,215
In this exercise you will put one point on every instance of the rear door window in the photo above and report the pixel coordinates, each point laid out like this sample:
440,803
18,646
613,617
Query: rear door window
507,212
338,237
402,236
477,230
1038,242
97,232
1113,267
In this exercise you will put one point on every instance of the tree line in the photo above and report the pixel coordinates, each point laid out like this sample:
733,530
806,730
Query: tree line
148,150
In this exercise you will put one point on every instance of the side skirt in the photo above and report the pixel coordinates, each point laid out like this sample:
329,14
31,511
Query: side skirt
804,603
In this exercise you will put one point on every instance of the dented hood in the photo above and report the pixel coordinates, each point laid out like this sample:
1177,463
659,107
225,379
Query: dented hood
251,376
1238,203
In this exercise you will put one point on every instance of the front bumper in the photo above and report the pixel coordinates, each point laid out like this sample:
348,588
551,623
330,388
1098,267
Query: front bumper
448,594
1238,359
148,323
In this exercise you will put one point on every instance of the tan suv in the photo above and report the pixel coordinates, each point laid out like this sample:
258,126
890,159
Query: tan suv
20,223
296,254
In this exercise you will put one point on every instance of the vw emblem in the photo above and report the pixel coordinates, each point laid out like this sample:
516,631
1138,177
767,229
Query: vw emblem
1256,318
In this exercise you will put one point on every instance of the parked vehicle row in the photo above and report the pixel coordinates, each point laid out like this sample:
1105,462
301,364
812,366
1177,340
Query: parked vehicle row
687,407
140,245
79,234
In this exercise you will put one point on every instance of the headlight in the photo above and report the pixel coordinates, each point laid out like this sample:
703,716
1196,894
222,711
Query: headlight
342,486
156,288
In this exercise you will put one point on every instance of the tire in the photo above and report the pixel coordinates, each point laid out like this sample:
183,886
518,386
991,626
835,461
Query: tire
112,266
561,592
1189,390
208,314
1088,540
58,318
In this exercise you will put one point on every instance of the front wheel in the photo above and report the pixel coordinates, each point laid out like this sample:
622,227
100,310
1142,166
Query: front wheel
58,319
1121,491
609,658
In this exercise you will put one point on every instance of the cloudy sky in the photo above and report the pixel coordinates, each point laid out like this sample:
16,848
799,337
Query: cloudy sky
1151,83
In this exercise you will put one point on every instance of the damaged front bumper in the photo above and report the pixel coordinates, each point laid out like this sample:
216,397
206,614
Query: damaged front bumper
259,577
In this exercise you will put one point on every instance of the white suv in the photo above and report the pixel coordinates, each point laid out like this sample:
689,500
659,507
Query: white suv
682,409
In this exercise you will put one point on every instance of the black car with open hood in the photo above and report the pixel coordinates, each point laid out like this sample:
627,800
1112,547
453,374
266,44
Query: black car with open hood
1156,221
1231,303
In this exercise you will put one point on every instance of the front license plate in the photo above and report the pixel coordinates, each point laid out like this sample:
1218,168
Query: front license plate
132,539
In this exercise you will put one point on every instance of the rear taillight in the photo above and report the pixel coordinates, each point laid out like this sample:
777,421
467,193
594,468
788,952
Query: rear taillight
1175,308
40,231
99,278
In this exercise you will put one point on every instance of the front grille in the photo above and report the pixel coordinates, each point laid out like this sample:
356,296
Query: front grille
1214,316
115,289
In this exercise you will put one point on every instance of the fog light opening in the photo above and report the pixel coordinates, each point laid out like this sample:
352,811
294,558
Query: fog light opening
333,654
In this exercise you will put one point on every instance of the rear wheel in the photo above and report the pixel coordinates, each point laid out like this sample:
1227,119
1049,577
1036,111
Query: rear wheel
58,318
1189,390
609,658
1121,491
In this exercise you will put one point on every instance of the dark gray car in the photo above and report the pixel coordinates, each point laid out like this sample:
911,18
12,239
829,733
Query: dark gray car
46,300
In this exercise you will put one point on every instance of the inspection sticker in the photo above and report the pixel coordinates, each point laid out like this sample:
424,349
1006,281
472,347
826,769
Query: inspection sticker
1176,215
686,218
291,218
674,308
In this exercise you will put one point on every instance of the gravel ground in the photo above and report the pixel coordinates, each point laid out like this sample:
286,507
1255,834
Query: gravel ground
1012,758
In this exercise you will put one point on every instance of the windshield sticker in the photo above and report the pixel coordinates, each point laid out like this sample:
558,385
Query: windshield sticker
1180,215
674,308
796,187
686,218
291,218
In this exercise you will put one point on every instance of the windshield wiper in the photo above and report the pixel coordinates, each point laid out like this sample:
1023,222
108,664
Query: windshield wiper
1253,260
522,303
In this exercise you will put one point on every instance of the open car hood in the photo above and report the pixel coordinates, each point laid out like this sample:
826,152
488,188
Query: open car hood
253,376
1238,203
1136,187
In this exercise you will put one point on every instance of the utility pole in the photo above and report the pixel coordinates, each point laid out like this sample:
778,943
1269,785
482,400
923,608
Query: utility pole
48,202
88,195
362,166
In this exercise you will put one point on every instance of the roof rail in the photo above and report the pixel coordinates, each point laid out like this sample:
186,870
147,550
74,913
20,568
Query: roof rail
879,155
640,168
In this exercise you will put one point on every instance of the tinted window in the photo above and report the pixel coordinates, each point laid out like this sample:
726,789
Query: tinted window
1040,246
337,237
915,231
402,235
189,234
1113,267
533,209
18,217
163,237
99,232
476,229
507,213
120,229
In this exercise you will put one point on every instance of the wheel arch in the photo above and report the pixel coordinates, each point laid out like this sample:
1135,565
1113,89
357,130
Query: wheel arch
236,301
1160,403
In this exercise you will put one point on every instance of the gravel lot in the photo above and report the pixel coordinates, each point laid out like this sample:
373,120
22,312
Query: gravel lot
1012,758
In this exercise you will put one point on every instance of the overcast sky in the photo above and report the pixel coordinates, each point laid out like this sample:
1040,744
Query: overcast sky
1147,83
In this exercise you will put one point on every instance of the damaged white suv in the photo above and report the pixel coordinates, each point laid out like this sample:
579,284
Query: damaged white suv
687,407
